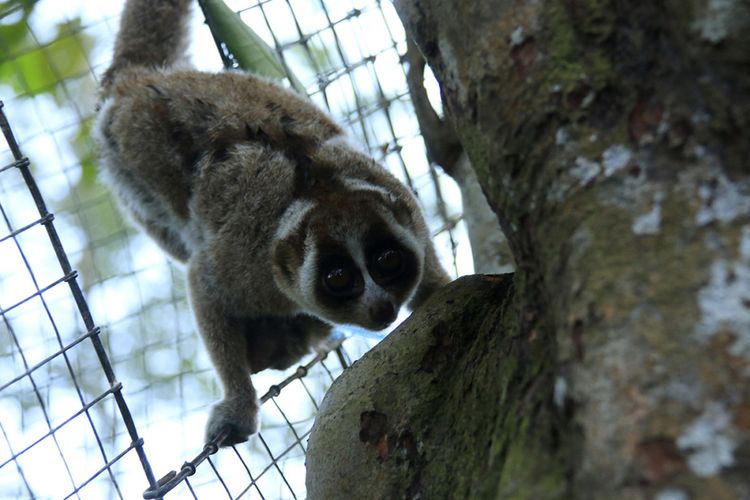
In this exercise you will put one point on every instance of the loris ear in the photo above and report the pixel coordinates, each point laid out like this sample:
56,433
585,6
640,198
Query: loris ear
402,210
310,176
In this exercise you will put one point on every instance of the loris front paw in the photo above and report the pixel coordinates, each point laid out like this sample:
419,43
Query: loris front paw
238,415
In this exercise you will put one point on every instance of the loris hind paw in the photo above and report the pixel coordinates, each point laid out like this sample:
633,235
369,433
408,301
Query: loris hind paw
238,415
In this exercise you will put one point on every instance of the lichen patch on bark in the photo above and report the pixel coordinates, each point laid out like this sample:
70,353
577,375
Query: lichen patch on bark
725,300
709,441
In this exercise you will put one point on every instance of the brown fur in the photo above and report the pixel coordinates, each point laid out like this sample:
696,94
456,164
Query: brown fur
216,167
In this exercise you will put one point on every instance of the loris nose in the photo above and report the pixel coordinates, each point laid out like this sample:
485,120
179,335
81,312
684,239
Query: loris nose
383,313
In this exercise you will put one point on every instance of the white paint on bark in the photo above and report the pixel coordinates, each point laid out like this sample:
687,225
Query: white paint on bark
722,200
745,244
671,494
709,442
715,24
560,391
615,158
585,170
517,37
650,222
725,303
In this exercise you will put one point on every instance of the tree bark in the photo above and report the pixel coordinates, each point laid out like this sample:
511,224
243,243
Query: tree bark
612,140
489,249
445,408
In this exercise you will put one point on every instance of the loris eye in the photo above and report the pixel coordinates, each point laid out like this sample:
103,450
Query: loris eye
389,261
342,281
339,279
387,265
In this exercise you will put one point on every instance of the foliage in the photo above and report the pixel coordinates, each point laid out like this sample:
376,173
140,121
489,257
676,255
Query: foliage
31,69
250,51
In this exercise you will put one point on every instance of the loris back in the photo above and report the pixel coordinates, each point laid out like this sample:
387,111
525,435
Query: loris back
164,127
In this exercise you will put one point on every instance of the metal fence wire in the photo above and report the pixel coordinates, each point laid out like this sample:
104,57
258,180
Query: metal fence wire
104,385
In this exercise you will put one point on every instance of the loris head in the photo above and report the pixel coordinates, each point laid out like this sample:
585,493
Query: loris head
352,255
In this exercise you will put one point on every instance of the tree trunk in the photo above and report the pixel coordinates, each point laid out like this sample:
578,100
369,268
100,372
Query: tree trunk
612,140
489,247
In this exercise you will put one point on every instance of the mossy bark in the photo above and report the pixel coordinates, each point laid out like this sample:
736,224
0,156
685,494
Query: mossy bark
454,404
613,143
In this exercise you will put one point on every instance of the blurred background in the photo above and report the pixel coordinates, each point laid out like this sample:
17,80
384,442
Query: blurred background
61,431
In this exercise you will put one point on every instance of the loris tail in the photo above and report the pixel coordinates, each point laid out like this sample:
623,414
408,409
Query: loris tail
152,34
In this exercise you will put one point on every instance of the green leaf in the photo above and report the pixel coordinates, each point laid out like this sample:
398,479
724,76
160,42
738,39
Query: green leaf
67,54
251,52
32,70
84,148
30,73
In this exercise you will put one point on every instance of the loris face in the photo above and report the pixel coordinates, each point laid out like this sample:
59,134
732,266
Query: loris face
349,260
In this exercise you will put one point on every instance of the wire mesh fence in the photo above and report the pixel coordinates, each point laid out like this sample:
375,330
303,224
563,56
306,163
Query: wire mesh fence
31,383
66,430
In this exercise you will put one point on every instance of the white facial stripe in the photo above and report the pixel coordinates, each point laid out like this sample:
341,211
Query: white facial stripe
374,293
363,185
405,236
293,217
307,274
353,243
